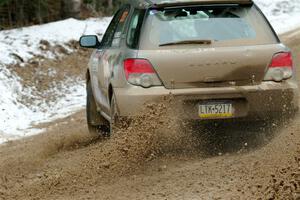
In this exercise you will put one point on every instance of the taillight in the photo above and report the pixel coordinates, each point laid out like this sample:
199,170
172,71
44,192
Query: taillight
140,72
280,68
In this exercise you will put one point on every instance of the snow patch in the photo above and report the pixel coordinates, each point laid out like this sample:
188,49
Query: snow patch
284,15
25,43
21,45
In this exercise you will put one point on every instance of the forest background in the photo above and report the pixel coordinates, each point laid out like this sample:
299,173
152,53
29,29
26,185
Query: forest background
18,13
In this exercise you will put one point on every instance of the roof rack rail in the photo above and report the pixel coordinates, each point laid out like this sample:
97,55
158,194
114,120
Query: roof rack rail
164,3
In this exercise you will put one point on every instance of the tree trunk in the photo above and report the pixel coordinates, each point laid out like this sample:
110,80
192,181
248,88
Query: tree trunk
110,4
9,15
39,13
71,8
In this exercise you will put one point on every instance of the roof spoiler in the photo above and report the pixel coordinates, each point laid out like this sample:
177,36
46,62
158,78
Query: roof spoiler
171,3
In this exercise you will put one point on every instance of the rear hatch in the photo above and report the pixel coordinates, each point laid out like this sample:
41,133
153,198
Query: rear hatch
211,45
187,68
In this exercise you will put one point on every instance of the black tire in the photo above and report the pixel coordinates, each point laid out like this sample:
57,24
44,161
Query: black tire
115,123
97,124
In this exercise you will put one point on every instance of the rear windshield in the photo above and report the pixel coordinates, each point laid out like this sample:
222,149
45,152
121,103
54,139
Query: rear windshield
221,25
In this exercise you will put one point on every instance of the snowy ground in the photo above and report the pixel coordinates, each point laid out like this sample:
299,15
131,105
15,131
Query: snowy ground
284,15
16,119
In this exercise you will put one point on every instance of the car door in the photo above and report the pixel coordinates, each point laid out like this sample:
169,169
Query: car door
109,55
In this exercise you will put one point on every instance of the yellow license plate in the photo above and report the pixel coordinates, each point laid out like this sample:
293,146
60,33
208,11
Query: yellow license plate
216,110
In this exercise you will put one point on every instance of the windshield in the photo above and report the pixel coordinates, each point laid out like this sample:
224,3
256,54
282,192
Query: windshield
217,24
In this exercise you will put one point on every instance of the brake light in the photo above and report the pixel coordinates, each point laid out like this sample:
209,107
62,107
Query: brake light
282,60
280,68
140,72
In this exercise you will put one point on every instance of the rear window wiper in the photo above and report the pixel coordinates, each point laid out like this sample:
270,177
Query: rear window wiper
187,42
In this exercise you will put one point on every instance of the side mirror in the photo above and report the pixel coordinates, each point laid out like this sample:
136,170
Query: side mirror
89,41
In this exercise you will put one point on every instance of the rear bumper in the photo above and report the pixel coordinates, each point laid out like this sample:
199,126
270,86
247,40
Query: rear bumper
256,100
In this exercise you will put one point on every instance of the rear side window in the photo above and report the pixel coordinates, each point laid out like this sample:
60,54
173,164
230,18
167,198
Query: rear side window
115,28
220,24
134,29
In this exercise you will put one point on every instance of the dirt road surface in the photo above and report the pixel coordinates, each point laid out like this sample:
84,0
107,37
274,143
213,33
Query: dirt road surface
235,160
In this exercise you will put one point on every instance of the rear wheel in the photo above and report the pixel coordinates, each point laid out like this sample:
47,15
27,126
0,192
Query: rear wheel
97,124
115,123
